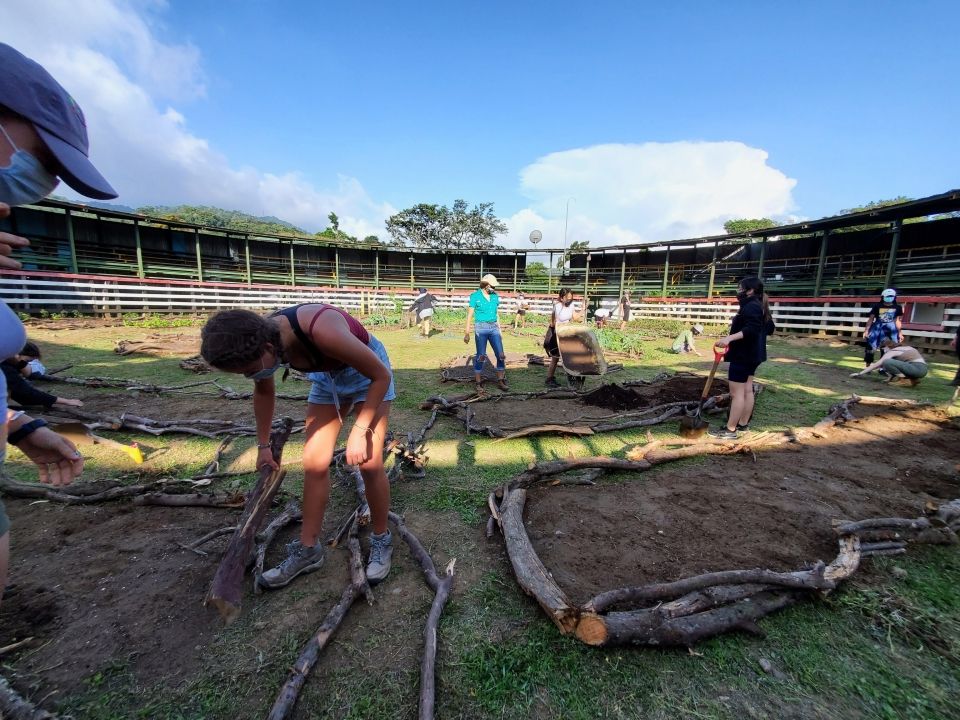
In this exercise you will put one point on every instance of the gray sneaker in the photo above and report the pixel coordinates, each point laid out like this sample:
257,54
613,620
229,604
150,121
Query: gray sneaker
299,560
381,552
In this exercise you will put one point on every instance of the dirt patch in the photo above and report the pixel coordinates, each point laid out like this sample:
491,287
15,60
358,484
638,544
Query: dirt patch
605,403
679,388
103,582
728,512
460,368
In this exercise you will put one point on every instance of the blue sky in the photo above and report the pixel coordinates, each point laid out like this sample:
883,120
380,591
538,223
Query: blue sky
659,122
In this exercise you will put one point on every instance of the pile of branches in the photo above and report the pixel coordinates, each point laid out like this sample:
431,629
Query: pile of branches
687,611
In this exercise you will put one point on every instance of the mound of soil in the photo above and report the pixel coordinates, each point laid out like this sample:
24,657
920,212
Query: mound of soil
679,388
728,512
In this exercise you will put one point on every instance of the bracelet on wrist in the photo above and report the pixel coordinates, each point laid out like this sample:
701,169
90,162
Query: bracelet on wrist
263,446
18,435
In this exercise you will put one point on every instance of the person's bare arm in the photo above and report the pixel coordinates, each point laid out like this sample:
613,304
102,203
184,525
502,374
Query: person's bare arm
332,336
467,331
264,401
879,363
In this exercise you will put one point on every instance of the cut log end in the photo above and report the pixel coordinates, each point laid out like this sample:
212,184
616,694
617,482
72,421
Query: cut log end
591,630
228,610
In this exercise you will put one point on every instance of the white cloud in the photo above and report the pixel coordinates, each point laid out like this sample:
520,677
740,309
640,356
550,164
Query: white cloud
647,192
108,54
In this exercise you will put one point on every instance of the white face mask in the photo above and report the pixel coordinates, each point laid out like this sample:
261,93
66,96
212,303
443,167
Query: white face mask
25,180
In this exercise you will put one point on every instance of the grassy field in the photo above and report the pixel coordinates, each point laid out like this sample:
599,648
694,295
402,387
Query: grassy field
886,646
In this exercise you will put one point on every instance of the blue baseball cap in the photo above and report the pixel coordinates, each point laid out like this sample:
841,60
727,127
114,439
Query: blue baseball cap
31,92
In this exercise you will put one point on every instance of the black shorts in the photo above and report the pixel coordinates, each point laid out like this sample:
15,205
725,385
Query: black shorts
739,372
521,312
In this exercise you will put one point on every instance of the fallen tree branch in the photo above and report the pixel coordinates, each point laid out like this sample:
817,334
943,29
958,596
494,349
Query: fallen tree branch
291,513
441,588
358,586
225,591
217,500
812,579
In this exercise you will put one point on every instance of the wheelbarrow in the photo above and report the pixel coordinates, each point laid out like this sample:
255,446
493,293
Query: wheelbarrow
581,355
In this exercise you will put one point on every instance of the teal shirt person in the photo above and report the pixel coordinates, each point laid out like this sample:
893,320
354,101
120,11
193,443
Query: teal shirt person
484,307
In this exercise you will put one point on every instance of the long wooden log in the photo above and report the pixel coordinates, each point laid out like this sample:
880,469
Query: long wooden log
217,500
656,627
529,570
287,698
226,590
538,472
812,579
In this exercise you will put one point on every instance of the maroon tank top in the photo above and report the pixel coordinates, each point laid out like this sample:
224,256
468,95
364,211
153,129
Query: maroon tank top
323,362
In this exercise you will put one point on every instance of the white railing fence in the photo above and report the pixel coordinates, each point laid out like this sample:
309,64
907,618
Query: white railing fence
58,292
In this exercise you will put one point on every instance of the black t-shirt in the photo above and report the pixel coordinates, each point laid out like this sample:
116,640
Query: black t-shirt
886,313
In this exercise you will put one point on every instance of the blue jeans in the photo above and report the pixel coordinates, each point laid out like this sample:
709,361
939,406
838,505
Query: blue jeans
483,332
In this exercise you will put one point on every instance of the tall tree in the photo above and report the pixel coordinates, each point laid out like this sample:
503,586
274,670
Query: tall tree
875,205
744,225
442,228
575,248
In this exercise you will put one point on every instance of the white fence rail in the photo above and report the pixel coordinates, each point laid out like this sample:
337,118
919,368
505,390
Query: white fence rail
34,292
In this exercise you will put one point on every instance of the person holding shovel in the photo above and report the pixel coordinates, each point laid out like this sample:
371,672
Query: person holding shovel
745,351
350,371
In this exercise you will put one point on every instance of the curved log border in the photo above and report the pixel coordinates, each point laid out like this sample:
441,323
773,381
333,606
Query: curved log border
687,611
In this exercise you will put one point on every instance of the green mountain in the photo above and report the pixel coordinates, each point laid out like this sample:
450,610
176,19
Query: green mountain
225,219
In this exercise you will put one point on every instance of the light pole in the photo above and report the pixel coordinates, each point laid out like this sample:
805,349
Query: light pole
535,237
566,217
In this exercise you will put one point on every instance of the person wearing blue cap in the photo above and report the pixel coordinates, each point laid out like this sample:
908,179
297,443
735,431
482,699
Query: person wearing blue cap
884,322
43,138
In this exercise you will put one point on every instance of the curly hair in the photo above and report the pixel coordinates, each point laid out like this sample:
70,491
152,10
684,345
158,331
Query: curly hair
31,350
234,338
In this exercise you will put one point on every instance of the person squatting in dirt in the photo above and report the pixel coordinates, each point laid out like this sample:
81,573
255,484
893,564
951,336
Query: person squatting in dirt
43,137
746,350
884,322
16,369
423,307
350,371
33,361
482,308
898,361
563,313
683,343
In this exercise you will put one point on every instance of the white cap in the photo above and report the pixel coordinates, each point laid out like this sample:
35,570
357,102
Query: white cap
490,280
889,292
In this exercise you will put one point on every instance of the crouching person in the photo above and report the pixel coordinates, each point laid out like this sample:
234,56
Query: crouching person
351,372
899,361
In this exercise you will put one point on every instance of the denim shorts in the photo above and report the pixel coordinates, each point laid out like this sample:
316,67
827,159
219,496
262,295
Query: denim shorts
739,372
347,386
